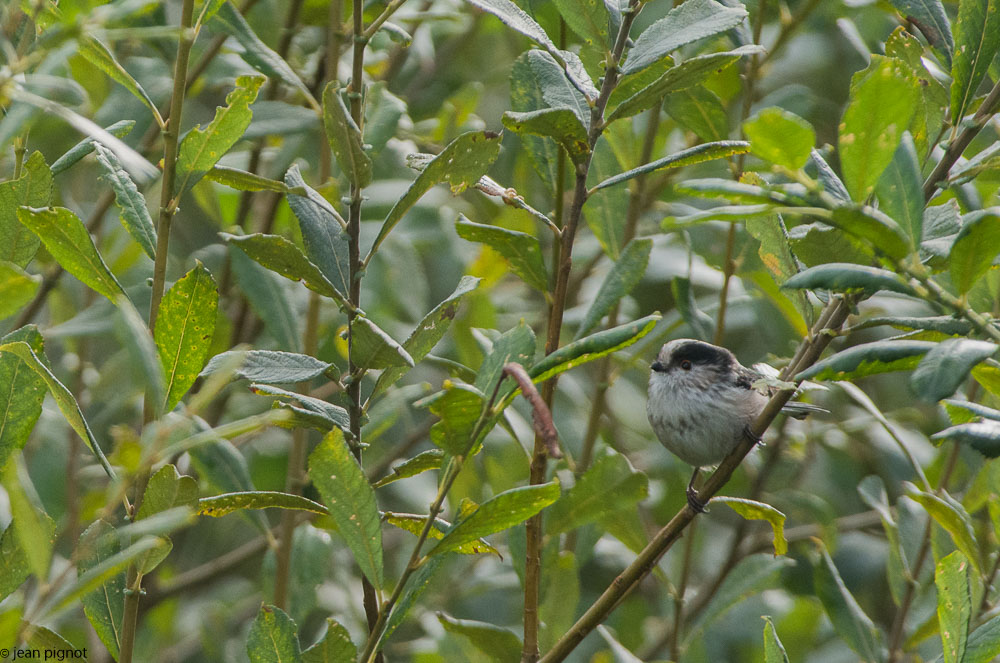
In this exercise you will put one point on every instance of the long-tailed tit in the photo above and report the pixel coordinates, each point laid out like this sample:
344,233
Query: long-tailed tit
702,401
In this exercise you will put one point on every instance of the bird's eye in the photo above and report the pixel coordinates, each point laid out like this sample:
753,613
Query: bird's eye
686,364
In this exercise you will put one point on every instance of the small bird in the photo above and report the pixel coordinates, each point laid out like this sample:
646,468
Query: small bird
702,401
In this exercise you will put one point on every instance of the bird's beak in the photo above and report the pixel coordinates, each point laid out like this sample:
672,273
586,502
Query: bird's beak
658,367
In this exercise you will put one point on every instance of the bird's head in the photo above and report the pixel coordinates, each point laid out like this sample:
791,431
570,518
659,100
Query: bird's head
685,362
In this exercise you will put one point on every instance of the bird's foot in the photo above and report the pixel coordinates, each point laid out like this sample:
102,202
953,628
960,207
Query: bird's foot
696,504
750,435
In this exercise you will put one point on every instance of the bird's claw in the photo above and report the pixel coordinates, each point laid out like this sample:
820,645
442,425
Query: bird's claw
696,504
750,435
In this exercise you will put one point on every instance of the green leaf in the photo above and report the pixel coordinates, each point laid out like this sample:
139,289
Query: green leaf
32,528
201,148
101,57
868,223
941,226
244,181
587,18
460,164
134,214
373,348
603,208
625,274
534,75
459,407
412,591
882,102
268,298
687,74
501,512
952,517
22,391
167,489
753,510
428,332
67,239
930,18
269,366
332,415
954,606
900,189
977,244
611,484
592,347
947,366
699,321
984,643
17,288
849,620
334,647
734,192
414,524
750,577
351,501
700,111
222,466
184,330
273,637
975,408
977,39
105,606
692,155
984,437
848,277
281,256
97,577
64,398
43,639
119,129
135,336
514,17
781,137
872,492
684,24
868,359
775,251
986,160
521,251
516,345
225,504
774,651
495,644
344,137
560,124
422,462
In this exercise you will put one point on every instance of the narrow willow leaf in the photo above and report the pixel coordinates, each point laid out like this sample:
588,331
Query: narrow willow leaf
977,39
134,214
900,189
503,511
67,239
774,651
22,391
460,164
516,18
325,240
281,256
332,415
975,409
32,528
872,492
527,87
539,82
422,462
868,223
690,156
225,504
700,322
849,620
700,111
720,213
428,332
984,643
414,524
18,244
932,100
134,335
201,148
954,605
986,160
947,366
43,639
941,226
273,637
119,129
413,590
269,297
625,274
459,406
101,57
495,644
611,484
847,277
334,647
882,102
244,181
521,251
868,359
984,437
17,288
781,137
684,24
371,347
753,510
516,345
184,330
105,606
733,192
344,137
930,18
603,209
560,124
953,518
167,489
687,74
269,366
976,246
64,398
351,501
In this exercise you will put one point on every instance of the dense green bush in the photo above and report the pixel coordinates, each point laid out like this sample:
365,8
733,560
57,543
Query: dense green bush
301,403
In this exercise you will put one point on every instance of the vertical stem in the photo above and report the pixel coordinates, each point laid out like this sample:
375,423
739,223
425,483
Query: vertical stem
168,206
675,639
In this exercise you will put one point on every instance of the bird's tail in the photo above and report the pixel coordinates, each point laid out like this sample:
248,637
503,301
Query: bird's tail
801,410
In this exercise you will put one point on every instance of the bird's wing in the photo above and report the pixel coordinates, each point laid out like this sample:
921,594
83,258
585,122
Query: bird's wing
801,410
